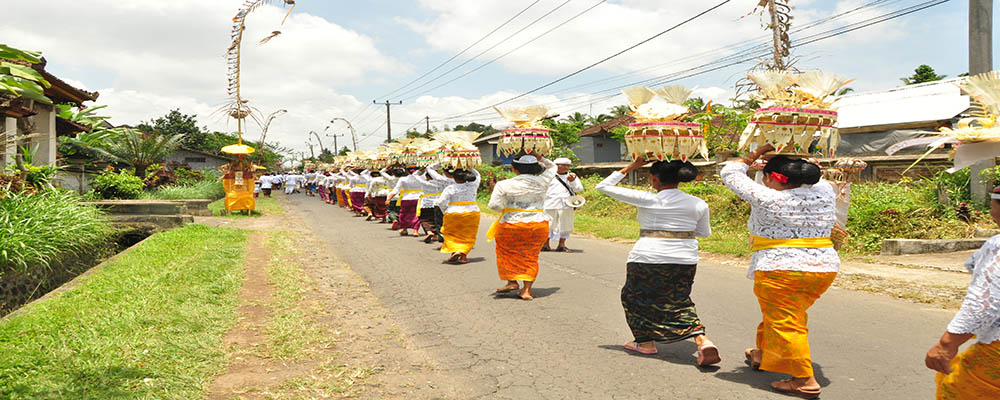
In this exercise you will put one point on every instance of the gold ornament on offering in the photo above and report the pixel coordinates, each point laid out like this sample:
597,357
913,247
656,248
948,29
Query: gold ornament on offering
795,112
459,152
658,130
527,134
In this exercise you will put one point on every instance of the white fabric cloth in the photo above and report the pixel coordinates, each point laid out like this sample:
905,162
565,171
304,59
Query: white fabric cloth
378,187
525,192
359,182
669,210
561,222
557,193
406,183
390,180
433,187
310,177
980,312
266,182
808,211
457,192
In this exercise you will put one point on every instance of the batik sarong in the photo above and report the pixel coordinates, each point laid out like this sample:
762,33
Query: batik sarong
657,302
975,374
408,215
460,230
783,337
518,245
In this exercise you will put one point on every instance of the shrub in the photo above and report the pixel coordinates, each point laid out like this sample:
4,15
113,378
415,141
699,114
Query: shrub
187,177
206,189
121,185
40,229
39,177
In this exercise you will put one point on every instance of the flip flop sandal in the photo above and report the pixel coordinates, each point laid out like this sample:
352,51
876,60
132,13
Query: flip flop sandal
708,355
785,386
749,355
546,248
634,347
563,250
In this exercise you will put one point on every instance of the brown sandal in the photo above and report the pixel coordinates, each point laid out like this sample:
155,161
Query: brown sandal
785,386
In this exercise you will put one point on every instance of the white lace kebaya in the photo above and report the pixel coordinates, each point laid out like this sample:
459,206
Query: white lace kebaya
525,192
808,211
980,312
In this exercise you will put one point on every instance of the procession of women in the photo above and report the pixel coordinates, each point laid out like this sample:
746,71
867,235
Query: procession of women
429,189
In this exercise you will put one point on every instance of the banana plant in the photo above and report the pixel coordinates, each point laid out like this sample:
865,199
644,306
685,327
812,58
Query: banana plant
19,80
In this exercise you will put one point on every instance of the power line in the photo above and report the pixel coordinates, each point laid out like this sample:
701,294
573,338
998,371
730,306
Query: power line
487,50
690,72
696,16
481,66
461,52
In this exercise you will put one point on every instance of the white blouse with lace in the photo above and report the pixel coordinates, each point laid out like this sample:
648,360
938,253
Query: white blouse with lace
808,211
524,192
980,312
460,192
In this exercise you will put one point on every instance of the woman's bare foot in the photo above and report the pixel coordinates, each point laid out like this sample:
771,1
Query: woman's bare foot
510,287
806,388
462,258
526,294
753,357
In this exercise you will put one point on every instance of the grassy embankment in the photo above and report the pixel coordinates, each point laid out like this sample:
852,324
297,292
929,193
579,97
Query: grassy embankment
209,189
146,325
878,211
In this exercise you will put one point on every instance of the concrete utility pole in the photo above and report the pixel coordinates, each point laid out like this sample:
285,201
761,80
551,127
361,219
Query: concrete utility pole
980,61
354,138
428,120
334,136
388,120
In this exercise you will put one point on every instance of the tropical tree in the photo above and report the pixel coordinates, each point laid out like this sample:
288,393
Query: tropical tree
177,123
594,120
575,117
923,73
142,149
620,110
564,135
343,151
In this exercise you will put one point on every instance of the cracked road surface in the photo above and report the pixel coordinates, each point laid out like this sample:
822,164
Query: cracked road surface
567,343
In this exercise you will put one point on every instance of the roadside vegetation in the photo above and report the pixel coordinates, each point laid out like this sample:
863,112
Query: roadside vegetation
147,325
931,208
264,206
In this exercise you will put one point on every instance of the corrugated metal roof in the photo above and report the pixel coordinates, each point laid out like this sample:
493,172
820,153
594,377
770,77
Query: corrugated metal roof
932,101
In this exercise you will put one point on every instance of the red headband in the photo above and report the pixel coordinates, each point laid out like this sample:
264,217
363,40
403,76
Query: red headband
779,177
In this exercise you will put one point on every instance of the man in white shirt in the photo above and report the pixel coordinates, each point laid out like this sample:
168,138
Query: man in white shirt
290,181
565,184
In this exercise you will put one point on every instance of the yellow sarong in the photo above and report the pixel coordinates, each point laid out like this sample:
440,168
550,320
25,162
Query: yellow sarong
784,297
459,231
975,375
518,245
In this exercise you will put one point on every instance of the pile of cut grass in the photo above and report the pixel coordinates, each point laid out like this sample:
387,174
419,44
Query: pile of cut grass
146,325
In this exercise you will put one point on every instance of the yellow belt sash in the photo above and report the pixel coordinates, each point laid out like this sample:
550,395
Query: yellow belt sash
420,202
492,233
762,243
399,200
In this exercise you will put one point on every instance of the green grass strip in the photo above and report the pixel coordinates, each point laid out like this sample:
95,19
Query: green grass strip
147,325
264,206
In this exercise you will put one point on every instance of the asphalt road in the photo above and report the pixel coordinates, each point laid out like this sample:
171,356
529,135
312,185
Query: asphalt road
567,343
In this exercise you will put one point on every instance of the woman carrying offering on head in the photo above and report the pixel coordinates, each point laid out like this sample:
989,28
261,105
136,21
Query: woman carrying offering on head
523,226
661,266
794,262
974,374
461,215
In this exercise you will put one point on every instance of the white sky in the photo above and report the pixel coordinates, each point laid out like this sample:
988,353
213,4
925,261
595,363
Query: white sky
335,56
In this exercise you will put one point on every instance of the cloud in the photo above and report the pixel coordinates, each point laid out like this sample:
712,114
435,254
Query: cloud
147,57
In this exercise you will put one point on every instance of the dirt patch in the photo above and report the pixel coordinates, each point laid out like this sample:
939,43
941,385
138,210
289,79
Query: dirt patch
310,327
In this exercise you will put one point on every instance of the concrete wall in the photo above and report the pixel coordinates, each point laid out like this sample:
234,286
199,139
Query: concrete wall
73,181
196,161
597,149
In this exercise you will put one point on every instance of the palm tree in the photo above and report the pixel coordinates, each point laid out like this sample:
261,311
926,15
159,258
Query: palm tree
620,111
575,117
594,120
140,149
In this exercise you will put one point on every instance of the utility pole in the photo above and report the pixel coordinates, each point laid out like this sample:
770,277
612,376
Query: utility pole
388,119
354,138
980,61
428,120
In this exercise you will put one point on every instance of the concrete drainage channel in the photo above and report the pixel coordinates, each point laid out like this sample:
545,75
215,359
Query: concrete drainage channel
163,214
